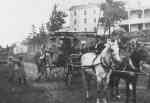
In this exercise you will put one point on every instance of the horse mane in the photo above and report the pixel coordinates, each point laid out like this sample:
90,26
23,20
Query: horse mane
105,50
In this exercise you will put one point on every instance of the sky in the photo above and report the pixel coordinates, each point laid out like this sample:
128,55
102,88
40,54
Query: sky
17,16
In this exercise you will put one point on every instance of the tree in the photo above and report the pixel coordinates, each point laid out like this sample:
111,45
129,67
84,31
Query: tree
31,38
56,20
42,35
113,11
34,29
37,38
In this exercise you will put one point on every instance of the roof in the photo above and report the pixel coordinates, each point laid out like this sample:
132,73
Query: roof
143,35
75,35
138,8
135,21
84,6
65,29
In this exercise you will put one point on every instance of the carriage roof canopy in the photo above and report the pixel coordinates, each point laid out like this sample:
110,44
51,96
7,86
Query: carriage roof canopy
76,34
76,37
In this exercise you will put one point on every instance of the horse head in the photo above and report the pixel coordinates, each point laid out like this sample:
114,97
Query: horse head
113,47
139,57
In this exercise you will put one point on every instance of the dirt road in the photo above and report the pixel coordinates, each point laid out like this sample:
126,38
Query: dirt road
51,92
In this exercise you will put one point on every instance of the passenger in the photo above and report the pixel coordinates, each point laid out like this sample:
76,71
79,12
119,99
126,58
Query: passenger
11,68
19,71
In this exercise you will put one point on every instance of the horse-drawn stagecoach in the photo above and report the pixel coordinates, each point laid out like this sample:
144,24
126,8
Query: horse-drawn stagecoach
71,48
86,43
80,59
129,69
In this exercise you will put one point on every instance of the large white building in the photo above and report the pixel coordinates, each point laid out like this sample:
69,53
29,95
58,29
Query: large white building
138,19
84,18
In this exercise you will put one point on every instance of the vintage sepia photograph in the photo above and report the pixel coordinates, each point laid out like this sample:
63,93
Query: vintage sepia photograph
75,51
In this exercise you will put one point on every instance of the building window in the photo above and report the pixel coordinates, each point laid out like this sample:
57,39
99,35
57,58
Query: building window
140,26
94,20
147,26
75,13
95,29
94,11
139,15
85,29
147,13
75,29
85,12
75,21
85,20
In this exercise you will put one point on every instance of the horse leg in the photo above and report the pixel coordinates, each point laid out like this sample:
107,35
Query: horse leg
39,74
85,84
103,92
116,88
111,86
107,93
134,92
47,72
127,91
100,91
68,75
39,69
107,89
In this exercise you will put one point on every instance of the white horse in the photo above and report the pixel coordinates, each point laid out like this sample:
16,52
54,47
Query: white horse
102,68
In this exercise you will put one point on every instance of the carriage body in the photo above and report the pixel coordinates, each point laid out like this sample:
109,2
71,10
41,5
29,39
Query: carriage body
67,55
84,43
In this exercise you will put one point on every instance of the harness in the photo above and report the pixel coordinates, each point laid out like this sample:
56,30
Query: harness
105,65
128,63
131,64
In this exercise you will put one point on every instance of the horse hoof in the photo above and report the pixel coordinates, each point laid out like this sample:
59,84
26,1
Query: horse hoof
97,100
116,98
88,98
105,100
